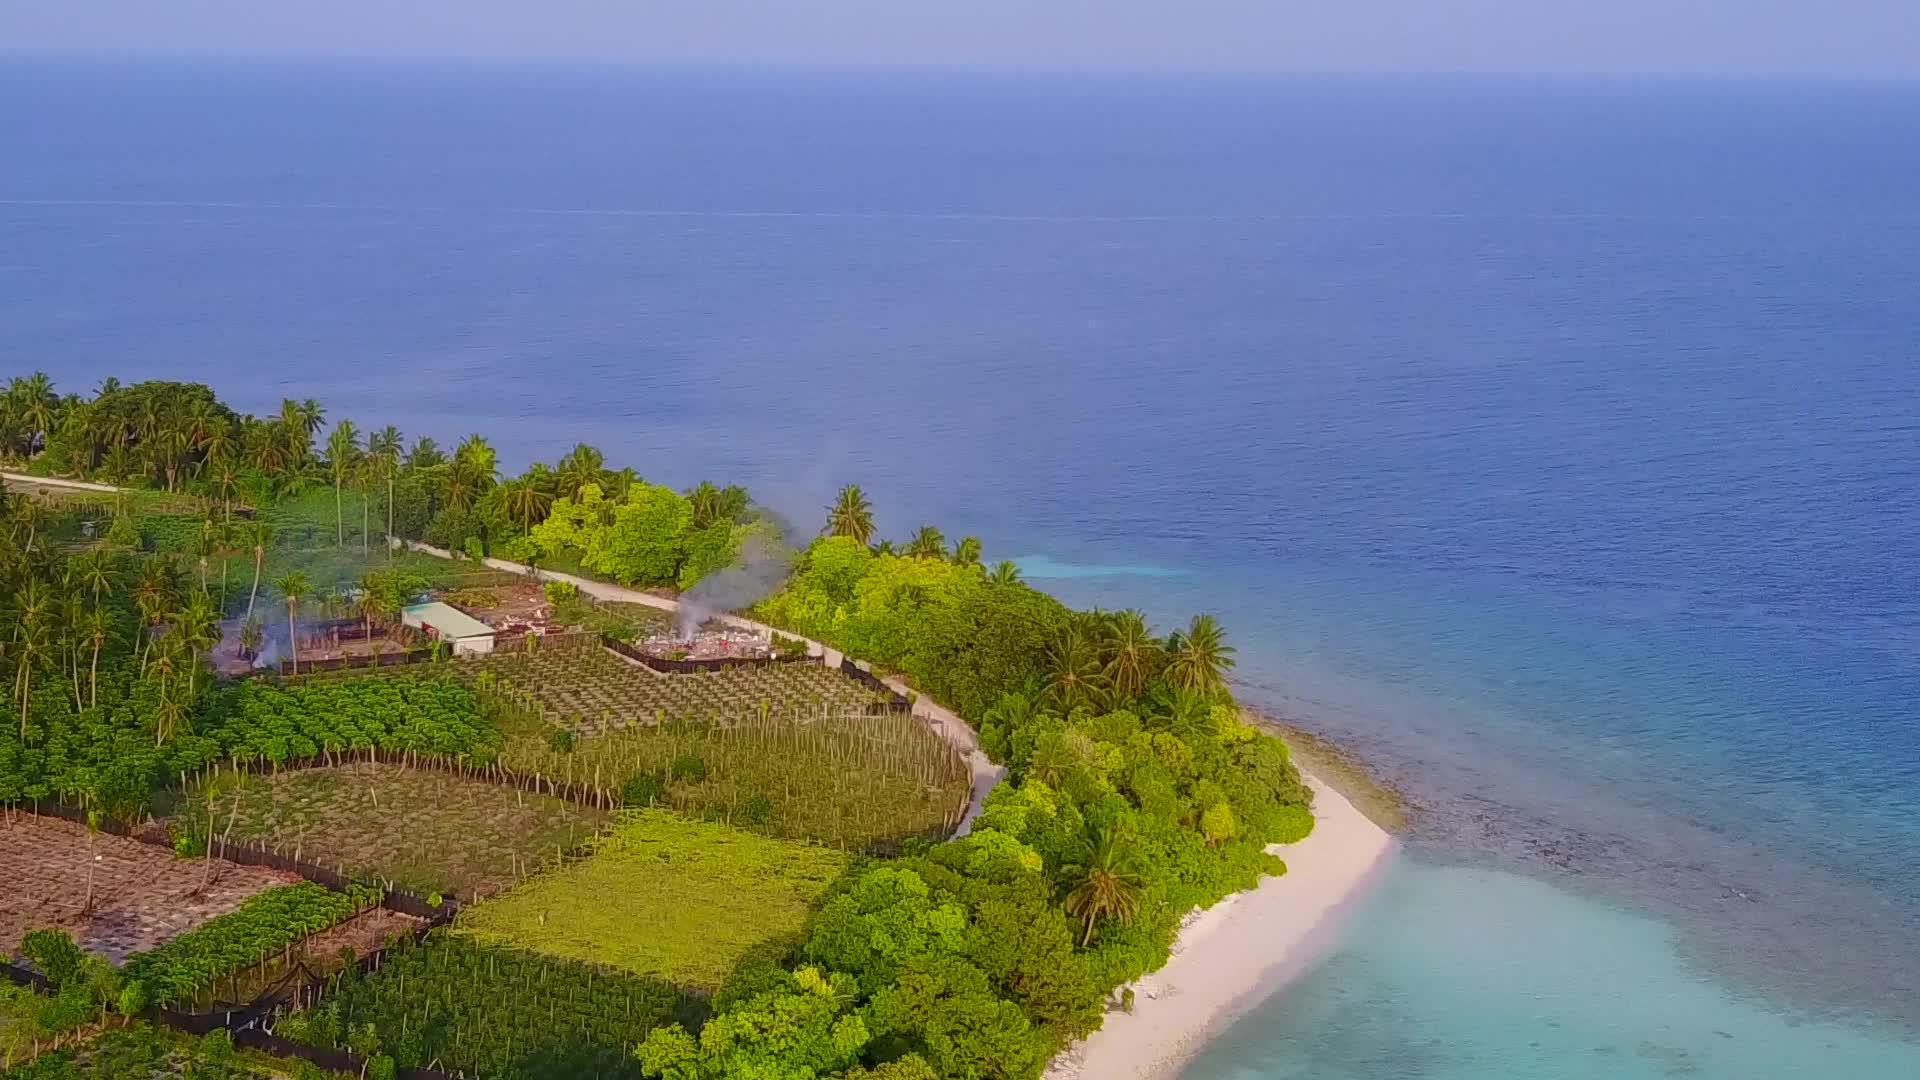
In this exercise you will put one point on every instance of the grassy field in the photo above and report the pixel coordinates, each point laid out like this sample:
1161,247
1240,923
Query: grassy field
856,783
422,830
664,897
590,691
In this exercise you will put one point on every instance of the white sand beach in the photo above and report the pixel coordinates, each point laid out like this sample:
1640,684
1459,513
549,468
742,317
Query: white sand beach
1243,949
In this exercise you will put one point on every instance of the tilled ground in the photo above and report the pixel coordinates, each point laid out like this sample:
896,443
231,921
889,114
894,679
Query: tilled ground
142,894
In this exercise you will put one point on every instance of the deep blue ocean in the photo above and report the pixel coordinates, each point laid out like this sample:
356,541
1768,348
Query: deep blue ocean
1555,446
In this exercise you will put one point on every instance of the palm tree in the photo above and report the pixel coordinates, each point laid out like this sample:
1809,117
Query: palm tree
198,627
225,482
1005,572
343,456
1131,651
367,605
97,629
705,500
94,572
424,455
225,536
1106,882
1201,657
967,552
364,478
383,451
33,647
259,535
478,455
32,403
527,498
927,543
251,634
293,586
581,466
295,427
851,515
169,717
1073,672
616,484
204,547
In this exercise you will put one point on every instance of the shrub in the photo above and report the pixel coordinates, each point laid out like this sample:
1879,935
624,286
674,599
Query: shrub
643,789
687,767
560,592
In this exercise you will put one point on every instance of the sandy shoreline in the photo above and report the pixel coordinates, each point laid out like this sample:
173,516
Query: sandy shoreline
1243,949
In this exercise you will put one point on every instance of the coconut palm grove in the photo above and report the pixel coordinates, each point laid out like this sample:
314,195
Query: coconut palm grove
262,815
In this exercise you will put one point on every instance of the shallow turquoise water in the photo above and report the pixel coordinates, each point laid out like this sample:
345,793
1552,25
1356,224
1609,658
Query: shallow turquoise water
1469,974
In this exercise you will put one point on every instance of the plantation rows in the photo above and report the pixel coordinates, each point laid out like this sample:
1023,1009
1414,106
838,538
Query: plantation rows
854,783
451,1004
269,922
259,721
590,691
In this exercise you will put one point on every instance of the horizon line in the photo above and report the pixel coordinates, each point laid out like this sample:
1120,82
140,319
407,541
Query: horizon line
718,65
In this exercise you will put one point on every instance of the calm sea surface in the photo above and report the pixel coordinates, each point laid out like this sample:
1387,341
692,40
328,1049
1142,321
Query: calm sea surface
1556,446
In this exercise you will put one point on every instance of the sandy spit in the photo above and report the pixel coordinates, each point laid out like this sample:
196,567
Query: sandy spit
1242,950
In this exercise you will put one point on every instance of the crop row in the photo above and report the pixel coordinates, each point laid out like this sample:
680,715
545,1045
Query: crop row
590,691
454,1004
267,923
261,721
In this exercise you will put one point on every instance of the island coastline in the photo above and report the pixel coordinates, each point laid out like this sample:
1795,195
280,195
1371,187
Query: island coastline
1241,951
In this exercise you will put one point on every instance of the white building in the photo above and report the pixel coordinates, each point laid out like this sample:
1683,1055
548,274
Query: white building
466,635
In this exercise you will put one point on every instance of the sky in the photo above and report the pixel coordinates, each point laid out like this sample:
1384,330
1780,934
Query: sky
1826,38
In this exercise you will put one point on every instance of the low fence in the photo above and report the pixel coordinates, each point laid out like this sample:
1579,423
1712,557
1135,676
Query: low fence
342,663
666,666
26,977
896,701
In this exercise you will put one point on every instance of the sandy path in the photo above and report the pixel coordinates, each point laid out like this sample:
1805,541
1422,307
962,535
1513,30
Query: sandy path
1242,950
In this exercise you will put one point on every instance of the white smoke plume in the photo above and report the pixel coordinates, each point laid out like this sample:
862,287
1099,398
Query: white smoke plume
760,567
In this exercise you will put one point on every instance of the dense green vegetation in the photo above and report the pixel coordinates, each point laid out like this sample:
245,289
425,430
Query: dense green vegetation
265,924
1135,792
260,721
498,1013
145,1052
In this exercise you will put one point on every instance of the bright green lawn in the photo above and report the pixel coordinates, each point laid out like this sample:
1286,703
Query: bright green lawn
680,900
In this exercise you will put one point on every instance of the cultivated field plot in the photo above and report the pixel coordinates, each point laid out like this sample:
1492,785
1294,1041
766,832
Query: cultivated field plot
142,894
493,1012
592,691
856,783
422,830
314,958
664,897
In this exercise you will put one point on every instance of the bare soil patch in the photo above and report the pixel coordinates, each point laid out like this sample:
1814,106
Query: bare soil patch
142,894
